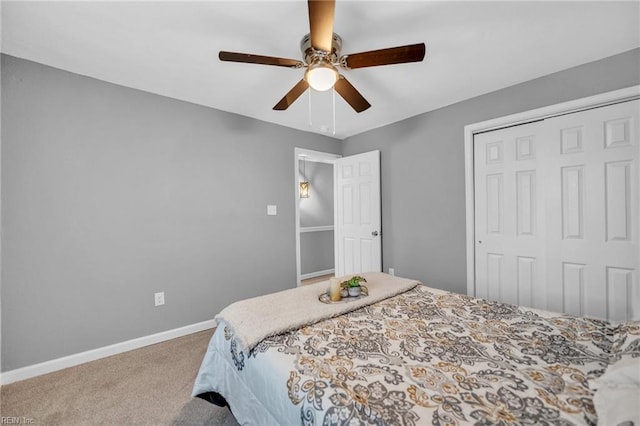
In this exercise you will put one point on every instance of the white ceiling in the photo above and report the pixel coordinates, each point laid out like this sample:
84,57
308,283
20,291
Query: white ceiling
170,48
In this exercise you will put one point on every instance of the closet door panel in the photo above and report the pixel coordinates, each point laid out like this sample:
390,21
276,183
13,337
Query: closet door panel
509,211
594,161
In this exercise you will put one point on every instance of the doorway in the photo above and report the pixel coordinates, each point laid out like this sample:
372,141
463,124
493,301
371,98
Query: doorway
314,215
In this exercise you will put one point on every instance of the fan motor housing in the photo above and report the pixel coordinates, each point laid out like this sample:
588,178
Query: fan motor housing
312,55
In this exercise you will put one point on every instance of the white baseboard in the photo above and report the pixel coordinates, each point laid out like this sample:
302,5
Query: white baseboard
317,274
94,354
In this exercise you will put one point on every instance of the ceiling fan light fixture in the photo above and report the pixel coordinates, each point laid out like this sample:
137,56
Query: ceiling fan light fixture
321,49
321,76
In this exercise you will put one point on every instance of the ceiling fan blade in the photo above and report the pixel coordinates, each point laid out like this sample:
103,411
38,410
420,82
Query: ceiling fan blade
351,95
258,59
393,55
321,23
292,95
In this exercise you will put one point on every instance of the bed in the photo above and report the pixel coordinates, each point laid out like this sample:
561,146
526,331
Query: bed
412,355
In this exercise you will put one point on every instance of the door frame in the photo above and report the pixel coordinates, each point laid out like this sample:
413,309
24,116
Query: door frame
311,155
599,100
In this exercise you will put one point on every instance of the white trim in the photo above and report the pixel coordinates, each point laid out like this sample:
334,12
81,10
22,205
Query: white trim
317,274
470,211
316,228
0,242
94,354
336,263
599,100
317,156
569,107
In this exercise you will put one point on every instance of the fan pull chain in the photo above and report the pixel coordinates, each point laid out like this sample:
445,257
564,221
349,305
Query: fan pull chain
310,120
334,111
324,128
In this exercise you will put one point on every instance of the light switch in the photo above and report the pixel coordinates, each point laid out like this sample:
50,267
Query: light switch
272,210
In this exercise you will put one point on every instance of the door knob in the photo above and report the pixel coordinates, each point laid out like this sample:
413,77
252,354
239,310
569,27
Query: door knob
374,233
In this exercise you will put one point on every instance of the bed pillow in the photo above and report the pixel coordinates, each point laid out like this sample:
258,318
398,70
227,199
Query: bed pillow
617,391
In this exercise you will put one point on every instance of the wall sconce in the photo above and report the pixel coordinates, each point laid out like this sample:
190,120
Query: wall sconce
304,185
304,189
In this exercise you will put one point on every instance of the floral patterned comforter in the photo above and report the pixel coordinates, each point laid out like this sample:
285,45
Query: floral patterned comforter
426,357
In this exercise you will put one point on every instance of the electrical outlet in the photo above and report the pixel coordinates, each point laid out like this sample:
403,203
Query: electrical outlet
159,298
392,271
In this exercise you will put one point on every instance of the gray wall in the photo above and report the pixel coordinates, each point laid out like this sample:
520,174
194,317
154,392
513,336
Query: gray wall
317,248
423,177
111,194
316,251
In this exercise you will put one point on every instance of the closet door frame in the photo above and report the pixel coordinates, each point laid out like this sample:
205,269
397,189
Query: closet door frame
603,99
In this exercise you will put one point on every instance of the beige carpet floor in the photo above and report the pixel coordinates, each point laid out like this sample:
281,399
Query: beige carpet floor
146,386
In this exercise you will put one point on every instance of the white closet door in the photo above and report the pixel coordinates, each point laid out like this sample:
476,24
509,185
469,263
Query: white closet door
593,216
509,218
557,218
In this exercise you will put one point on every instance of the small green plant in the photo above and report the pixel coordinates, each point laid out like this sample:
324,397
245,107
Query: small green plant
353,282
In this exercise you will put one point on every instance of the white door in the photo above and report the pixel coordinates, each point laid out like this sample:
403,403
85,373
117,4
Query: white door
557,213
593,215
358,246
509,219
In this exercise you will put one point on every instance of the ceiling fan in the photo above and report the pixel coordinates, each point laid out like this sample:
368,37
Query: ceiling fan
321,49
